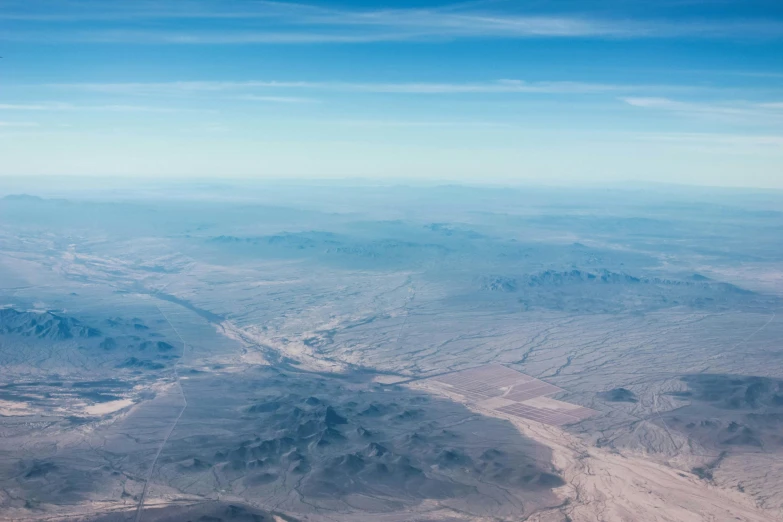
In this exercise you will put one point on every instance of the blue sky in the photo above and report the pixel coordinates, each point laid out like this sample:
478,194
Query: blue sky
554,91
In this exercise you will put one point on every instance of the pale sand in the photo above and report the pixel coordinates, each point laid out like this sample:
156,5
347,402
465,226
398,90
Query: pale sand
14,409
107,407
551,404
389,379
605,486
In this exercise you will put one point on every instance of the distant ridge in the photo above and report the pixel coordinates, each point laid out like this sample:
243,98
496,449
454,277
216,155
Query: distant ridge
43,325
22,197
561,278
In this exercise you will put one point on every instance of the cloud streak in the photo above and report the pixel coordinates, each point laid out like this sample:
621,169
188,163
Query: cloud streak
266,22
770,142
68,107
278,99
415,124
422,88
752,112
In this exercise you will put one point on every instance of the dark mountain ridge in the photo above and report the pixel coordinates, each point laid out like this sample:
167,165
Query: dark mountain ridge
44,325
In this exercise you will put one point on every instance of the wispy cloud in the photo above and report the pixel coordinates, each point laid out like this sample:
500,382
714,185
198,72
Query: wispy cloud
67,11
22,124
265,22
414,123
207,37
773,142
63,106
728,110
278,99
23,107
680,106
495,87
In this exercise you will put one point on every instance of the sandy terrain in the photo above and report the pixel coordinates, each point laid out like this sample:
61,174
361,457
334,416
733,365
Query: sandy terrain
11,409
294,338
605,485
613,486
107,407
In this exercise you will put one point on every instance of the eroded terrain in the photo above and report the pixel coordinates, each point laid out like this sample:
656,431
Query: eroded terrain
272,358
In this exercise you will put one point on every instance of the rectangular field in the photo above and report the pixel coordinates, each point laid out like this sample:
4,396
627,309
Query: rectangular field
513,393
